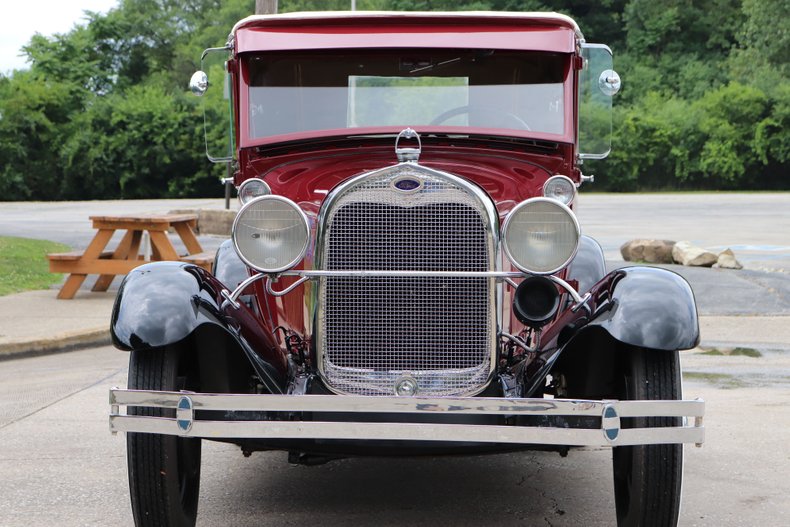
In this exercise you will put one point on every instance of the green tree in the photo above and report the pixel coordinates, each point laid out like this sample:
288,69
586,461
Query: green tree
103,109
33,124
766,31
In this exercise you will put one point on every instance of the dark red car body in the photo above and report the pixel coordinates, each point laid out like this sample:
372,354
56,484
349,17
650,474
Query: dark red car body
236,355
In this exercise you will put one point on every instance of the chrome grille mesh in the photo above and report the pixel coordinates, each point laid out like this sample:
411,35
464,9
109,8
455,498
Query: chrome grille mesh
438,330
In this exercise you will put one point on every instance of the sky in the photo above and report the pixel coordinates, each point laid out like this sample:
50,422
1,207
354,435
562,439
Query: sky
21,19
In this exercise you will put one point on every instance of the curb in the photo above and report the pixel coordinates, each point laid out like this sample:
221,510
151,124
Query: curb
55,344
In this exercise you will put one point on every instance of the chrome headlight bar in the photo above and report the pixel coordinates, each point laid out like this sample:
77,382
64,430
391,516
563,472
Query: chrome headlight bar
271,234
506,276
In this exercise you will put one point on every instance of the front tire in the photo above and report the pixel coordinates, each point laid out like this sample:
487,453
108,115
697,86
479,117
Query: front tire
164,470
648,478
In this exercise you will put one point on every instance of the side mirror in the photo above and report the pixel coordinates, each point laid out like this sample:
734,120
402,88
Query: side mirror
608,82
198,84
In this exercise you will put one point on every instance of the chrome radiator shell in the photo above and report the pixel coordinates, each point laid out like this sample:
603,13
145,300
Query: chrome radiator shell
440,332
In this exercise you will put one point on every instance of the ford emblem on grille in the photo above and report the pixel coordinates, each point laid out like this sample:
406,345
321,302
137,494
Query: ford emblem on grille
408,184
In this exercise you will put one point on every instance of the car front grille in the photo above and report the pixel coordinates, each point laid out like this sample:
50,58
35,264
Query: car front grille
374,331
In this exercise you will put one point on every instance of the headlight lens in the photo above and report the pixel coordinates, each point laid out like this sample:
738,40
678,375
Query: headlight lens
253,188
540,236
560,188
270,233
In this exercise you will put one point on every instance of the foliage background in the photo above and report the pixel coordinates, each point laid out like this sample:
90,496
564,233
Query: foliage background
103,111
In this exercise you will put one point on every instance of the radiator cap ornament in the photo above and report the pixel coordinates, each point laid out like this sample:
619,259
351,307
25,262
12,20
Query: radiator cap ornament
408,154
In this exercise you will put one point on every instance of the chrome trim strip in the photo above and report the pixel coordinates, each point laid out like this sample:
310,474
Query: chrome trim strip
506,276
406,274
410,431
393,404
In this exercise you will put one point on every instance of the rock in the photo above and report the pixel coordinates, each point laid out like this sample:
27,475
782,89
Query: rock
687,254
726,260
211,221
650,251
216,221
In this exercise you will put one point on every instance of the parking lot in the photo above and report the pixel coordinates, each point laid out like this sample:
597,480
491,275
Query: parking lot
59,464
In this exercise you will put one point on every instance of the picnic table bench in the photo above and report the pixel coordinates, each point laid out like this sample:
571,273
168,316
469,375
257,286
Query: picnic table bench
126,256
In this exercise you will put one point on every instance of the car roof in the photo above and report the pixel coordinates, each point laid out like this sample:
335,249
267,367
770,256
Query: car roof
402,29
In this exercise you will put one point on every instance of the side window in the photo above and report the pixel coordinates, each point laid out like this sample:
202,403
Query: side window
213,84
598,83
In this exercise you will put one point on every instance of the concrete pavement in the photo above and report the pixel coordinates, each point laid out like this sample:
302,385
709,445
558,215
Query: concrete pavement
37,322
68,221
749,307
59,465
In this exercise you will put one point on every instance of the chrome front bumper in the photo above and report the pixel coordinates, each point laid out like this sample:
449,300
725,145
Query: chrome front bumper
609,433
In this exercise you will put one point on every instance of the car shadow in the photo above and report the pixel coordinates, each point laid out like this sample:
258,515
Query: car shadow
527,488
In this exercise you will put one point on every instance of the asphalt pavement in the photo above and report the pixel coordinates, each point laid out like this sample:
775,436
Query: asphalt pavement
68,221
59,464
735,306
755,225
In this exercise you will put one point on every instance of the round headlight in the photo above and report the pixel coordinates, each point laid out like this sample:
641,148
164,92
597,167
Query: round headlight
270,234
540,235
253,188
560,188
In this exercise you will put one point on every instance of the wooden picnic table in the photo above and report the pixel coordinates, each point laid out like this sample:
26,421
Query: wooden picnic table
126,256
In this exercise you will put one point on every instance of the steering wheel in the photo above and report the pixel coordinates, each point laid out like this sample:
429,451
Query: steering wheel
468,109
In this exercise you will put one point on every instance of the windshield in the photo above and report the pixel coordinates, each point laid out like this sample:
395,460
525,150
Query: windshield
290,92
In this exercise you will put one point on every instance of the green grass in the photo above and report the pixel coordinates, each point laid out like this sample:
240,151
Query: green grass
24,265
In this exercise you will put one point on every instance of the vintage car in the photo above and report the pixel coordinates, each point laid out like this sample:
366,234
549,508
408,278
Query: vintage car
406,274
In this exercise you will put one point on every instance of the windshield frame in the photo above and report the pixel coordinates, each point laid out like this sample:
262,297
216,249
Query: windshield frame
247,141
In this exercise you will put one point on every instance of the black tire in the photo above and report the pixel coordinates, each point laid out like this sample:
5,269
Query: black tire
164,471
648,478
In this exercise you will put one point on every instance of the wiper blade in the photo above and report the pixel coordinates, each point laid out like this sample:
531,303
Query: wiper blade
433,66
